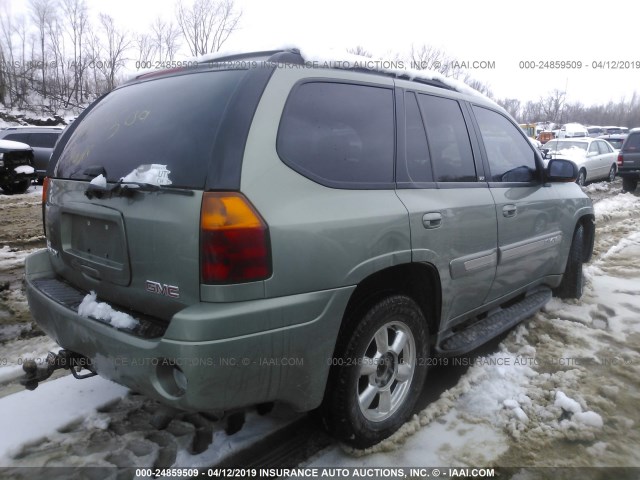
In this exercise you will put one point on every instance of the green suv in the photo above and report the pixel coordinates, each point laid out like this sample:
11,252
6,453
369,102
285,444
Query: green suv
262,228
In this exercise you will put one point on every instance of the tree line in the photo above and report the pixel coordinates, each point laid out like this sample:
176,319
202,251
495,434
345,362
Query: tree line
56,56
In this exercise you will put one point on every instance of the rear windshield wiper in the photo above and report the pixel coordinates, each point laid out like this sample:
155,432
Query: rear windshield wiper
129,189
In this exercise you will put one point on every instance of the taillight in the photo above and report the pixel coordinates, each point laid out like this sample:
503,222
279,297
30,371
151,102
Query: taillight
234,240
620,160
45,187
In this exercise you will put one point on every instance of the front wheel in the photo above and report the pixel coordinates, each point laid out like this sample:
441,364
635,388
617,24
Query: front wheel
379,373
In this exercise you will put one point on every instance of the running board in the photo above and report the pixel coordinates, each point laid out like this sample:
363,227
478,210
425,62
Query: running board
493,325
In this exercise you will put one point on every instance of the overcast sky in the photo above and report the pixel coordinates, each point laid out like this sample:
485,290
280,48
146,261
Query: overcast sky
503,32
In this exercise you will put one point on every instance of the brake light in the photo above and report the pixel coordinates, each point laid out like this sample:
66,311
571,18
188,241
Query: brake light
620,160
234,240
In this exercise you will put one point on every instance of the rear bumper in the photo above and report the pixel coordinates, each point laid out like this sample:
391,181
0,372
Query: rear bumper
224,366
630,173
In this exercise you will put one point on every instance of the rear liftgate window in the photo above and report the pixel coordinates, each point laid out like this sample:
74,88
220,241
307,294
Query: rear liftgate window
340,135
165,126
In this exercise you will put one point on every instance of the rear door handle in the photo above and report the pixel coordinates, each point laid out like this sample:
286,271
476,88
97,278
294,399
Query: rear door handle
509,210
432,220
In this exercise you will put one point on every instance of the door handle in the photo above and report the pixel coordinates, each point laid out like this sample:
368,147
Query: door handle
509,210
432,220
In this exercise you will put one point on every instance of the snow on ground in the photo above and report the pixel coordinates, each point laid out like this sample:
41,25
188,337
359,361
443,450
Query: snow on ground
27,420
562,389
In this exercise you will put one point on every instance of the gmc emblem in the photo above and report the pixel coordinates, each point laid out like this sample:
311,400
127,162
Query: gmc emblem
162,289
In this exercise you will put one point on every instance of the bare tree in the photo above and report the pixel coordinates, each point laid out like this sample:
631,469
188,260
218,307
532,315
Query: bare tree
360,50
478,85
552,106
512,106
41,12
164,39
76,14
145,47
207,24
427,57
117,43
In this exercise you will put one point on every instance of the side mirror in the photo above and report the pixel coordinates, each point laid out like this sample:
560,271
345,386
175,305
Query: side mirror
559,170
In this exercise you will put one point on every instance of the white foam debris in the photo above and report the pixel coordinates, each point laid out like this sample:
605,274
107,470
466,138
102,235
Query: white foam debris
90,307
99,181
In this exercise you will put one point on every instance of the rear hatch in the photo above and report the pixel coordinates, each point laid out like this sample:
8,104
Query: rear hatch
630,153
122,215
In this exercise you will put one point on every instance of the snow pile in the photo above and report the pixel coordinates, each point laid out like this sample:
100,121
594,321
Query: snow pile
500,382
597,187
11,258
26,417
622,205
99,181
90,307
338,58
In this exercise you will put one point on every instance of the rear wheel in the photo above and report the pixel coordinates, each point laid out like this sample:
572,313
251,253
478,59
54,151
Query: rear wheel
612,174
573,278
629,184
379,373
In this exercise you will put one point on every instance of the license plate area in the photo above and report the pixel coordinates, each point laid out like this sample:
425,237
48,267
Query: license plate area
94,243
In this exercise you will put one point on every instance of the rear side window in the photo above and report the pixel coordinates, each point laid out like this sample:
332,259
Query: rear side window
449,142
166,125
339,134
632,144
18,137
510,155
44,140
604,148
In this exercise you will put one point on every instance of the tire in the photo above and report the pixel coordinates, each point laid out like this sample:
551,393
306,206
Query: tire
17,187
629,184
573,279
378,373
612,174
582,178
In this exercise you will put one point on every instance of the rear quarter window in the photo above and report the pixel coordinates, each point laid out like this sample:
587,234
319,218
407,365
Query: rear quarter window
171,122
44,140
339,134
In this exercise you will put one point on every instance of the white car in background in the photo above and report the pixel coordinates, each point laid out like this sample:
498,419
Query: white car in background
596,159
573,130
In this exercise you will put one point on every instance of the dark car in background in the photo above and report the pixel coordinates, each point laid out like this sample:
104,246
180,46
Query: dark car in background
16,167
629,161
40,139
615,140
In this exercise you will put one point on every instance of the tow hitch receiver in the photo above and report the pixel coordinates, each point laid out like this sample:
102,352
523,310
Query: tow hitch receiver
65,359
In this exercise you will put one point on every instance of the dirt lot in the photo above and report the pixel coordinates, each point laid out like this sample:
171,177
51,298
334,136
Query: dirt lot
20,233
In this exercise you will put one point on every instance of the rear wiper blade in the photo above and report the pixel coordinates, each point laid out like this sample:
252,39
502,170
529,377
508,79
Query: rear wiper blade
128,189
